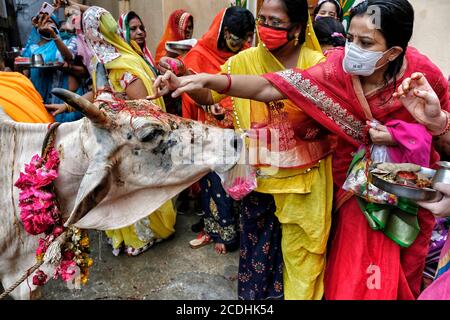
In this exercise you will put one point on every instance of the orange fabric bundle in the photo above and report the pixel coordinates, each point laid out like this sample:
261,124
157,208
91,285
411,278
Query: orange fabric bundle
20,100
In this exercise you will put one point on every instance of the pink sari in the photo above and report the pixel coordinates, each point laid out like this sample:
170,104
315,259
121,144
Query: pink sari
363,263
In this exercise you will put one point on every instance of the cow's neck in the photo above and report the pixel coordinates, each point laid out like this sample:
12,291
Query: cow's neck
76,146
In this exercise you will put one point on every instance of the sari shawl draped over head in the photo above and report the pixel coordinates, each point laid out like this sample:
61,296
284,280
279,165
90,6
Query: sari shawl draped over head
440,288
45,80
327,94
20,100
207,57
103,37
175,31
124,27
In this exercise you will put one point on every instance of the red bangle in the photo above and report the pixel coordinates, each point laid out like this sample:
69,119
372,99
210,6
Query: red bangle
446,129
227,89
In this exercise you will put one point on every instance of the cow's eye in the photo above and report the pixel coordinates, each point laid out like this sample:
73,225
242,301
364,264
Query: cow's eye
151,135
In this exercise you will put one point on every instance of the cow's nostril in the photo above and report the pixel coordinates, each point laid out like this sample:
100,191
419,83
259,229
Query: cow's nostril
235,143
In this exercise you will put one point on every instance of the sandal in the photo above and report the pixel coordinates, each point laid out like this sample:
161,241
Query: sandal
132,252
202,239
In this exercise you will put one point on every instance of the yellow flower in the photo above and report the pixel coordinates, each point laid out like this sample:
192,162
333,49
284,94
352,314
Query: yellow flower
89,262
84,279
84,242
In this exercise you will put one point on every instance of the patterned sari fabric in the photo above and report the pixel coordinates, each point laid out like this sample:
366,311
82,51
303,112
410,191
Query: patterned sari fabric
438,239
261,261
175,31
363,263
440,288
219,212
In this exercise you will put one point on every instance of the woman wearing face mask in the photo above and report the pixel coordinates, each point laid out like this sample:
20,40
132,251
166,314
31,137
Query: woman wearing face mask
342,94
45,39
231,31
328,8
294,194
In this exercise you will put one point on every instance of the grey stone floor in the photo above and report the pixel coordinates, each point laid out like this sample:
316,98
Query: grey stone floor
170,270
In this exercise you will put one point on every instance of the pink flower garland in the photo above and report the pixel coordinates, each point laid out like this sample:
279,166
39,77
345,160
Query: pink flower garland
39,213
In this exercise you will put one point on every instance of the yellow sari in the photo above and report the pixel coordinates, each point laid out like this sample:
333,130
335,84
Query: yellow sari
303,197
103,37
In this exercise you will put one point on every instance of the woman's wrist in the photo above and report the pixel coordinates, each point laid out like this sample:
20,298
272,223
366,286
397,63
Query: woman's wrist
441,126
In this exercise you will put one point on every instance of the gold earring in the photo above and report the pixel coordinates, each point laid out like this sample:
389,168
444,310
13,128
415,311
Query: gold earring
296,39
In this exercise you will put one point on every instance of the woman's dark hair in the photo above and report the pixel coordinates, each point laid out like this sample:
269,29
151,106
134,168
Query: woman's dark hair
330,31
339,12
238,21
132,15
297,11
396,21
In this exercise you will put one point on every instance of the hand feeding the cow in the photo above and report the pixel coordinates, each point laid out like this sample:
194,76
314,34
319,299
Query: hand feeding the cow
122,161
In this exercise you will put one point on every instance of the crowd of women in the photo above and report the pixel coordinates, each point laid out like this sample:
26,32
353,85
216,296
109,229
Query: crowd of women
300,235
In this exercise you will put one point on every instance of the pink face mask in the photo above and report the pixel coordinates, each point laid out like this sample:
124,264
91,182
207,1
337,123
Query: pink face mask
273,38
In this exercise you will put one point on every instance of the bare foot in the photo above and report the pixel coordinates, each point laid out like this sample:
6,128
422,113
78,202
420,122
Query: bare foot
220,248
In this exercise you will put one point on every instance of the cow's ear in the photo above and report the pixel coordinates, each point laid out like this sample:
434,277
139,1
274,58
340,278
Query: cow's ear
94,187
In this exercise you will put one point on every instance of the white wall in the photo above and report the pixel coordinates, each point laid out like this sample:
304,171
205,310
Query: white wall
432,31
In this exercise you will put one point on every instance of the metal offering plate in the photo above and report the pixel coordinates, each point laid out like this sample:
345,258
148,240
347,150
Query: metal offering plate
46,66
406,191
175,45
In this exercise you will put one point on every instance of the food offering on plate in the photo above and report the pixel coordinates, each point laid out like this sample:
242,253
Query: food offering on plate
407,174
405,180
22,60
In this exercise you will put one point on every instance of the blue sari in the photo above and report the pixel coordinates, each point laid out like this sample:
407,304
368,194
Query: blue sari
45,80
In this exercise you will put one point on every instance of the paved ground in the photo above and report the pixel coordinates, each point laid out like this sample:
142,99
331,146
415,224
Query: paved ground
170,270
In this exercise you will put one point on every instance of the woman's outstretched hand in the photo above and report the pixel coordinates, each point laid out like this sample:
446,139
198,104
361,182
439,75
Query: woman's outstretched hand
441,208
419,98
170,82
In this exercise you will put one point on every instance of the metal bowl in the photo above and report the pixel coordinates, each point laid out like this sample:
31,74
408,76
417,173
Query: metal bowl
412,193
442,174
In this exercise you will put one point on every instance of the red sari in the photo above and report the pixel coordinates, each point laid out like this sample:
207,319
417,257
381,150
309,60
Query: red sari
363,263
207,57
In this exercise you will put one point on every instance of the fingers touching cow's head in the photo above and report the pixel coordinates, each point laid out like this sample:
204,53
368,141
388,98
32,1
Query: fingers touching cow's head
141,152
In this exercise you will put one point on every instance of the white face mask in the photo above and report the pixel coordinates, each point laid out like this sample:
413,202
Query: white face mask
360,62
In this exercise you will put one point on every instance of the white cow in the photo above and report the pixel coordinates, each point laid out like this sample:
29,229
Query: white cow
116,165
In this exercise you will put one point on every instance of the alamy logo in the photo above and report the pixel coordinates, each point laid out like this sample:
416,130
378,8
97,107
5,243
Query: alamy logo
374,13
374,279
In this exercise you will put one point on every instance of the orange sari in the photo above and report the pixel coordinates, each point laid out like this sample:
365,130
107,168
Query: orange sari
175,31
207,57
20,100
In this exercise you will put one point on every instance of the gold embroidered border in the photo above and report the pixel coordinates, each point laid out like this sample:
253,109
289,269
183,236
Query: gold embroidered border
333,110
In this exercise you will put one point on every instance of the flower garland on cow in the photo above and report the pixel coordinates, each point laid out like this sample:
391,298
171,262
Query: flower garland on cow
40,215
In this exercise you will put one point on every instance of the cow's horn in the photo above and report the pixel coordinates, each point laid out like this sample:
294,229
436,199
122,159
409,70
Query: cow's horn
102,85
83,105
